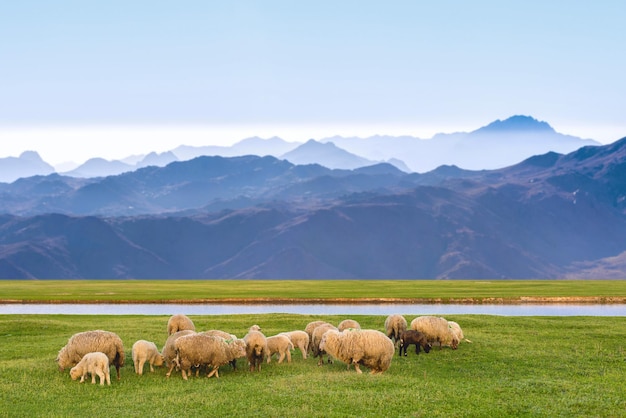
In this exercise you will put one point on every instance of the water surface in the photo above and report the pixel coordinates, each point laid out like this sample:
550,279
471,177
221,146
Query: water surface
319,309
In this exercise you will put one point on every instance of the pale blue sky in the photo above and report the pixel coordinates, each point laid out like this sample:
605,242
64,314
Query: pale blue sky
75,70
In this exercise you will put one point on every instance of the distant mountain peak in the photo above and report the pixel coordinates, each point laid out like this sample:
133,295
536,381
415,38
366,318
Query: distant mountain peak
519,123
30,156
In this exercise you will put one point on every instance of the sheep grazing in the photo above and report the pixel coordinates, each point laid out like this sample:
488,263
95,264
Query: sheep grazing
202,349
458,332
394,326
348,323
94,364
299,339
226,336
169,349
418,338
361,347
89,342
318,333
437,330
179,322
280,344
310,327
256,349
146,351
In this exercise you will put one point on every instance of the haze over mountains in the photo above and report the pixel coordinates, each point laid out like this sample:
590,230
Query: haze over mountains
549,216
508,142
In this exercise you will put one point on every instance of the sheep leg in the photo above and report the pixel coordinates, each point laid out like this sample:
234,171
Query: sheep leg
184,373
288,356
101,376
107,376
151,368
93,378
357,368
140,367
82,378
117,367
281,357
169,372
214,372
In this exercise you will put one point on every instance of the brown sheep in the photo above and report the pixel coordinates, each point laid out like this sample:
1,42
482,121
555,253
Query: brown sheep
201,349
411,336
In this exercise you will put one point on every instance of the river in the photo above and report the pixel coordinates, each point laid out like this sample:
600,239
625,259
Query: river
319,309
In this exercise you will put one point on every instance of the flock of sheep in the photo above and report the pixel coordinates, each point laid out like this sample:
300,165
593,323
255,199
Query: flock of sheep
93,352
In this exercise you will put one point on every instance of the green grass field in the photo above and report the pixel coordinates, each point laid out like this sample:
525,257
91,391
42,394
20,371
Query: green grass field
217,290
515,366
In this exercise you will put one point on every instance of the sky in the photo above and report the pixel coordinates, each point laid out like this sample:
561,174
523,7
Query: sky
82,79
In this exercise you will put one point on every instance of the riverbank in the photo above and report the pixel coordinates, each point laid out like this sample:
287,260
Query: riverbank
313,291
577,300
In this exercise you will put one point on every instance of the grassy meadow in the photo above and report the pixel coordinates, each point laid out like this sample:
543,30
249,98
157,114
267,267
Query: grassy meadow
515,366
218,290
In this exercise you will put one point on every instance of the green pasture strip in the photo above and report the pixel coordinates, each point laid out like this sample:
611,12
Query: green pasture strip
217,290
515,366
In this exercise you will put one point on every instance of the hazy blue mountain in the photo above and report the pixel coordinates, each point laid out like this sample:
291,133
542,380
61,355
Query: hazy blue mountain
29,163
99,167
499,144
326,154
156,159
250,146
549,216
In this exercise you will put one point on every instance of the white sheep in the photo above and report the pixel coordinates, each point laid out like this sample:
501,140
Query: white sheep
348,323
280,344
310,327
94,364
146,351
169,349
299,339
179,322
436,330
318,333
395,325
82,343
458,332
361,347
206,350
256,349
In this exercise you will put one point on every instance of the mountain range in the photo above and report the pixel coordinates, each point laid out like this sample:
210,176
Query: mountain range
550,216
508,141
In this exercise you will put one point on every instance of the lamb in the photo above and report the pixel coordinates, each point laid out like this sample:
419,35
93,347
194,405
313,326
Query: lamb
318,333
436,330
361,347
254,327
280,344
179,322
94,364
146,351
348,323
458,332
299,339
256,349
169,349
394,326
418,338
201,349
89,342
